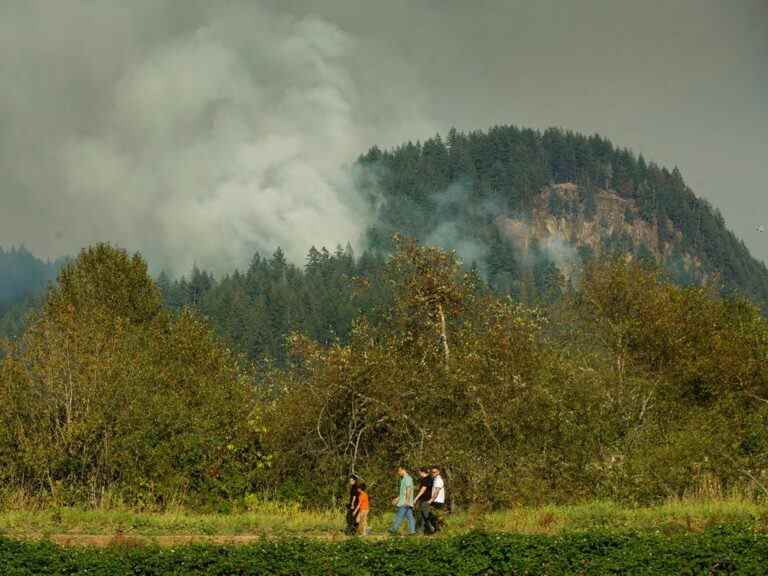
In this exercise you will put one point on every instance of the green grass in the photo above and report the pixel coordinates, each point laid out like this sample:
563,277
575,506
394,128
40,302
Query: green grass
276,520
673,516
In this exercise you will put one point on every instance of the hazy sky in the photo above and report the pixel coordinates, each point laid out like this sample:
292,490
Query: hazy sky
200,132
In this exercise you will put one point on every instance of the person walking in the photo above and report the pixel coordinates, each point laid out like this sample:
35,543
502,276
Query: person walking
421,502
352,505
437,500
404,503
361,512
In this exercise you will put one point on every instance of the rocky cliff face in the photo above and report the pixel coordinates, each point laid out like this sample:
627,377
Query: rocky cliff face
565,224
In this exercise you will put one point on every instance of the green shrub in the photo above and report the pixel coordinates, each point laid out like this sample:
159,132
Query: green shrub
106,393
731,550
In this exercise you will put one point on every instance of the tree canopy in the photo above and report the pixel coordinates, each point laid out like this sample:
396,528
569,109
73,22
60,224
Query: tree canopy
106,393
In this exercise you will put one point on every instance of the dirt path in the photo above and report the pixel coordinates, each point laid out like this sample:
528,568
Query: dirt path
171,540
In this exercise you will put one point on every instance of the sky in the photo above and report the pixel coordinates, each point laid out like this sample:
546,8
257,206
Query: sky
199,132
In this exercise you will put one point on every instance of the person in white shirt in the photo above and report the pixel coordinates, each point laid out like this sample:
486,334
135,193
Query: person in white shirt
437,501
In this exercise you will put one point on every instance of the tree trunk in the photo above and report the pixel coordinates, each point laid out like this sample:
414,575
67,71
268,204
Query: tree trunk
444,334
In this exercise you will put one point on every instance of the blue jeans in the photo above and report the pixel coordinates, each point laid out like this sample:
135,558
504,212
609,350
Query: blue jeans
407,513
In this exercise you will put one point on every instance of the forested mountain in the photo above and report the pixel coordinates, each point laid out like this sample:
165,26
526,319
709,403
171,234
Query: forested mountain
518,200
525,209
22,274
23,278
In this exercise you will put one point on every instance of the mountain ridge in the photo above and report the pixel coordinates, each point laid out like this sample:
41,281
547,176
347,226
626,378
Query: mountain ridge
510,172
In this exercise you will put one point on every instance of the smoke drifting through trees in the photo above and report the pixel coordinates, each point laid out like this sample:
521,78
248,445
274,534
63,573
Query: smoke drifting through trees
191,133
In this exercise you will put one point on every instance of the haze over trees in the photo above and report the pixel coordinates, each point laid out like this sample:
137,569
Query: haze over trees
23,278
457,193
452,193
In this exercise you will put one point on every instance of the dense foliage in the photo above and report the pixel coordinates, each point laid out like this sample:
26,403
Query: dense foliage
628,388
256,310
631,388
722,551
108,393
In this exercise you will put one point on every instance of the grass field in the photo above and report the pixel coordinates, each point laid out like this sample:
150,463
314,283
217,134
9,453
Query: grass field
271,520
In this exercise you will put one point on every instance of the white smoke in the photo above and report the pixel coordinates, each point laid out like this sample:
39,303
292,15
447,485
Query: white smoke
455,208
195,141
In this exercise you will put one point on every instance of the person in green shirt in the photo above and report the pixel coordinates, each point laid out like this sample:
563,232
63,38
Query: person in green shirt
404,503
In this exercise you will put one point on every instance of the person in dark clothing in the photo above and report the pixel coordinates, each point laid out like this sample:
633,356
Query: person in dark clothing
352,505
421,502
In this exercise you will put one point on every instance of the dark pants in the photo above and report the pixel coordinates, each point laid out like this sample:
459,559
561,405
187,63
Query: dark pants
425,518
438,515
351,522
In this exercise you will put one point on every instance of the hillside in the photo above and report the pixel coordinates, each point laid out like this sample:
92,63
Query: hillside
527,209
22,274
569,234
23,278
494,196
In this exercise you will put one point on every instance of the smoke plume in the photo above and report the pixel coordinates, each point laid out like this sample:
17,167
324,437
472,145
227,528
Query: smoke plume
189,133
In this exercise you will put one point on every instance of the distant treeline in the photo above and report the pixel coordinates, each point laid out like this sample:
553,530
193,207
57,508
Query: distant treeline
23,278
257,309
23,275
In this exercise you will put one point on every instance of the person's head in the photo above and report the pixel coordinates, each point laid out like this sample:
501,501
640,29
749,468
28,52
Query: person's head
423,471
435,471
352,480
401,470
361,487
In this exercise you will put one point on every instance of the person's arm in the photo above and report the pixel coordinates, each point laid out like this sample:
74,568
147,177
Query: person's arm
436,489
400,492
420,494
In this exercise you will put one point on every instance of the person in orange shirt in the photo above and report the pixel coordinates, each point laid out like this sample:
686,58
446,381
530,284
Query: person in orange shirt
361,512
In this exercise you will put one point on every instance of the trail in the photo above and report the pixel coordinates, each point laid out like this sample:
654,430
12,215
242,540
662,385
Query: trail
171,540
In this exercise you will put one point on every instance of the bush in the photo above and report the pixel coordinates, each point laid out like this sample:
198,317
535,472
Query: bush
632,389
108,393
723,551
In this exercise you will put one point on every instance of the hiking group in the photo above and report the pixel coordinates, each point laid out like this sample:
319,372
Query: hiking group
423,510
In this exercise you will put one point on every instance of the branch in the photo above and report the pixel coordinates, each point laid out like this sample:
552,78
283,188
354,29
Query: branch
756,397
386,407
444,334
